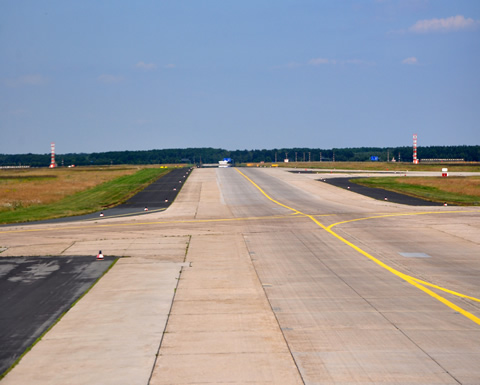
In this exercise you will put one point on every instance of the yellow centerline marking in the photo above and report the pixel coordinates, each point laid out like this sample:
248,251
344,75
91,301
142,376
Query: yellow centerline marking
411,280
266,195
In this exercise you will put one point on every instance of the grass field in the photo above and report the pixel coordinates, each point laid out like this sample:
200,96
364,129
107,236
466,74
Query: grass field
35,194
452,190
381,166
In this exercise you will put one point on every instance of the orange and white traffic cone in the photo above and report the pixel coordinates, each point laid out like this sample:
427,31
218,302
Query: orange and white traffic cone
101,214
100,256
145,209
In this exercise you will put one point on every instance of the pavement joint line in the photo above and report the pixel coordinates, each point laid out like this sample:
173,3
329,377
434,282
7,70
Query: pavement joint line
411,280
294,215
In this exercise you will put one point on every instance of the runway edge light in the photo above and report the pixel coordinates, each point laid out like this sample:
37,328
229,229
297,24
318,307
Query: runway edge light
100,256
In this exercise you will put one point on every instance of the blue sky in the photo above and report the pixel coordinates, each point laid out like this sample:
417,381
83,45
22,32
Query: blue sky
96,76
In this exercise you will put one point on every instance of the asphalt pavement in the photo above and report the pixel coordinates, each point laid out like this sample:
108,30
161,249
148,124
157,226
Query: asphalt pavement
35,291
378,193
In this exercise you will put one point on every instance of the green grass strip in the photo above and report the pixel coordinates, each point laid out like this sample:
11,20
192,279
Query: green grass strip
57,321
103,196
429,193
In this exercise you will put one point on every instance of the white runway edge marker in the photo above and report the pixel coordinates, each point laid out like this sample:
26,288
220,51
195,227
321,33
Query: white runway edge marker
100,256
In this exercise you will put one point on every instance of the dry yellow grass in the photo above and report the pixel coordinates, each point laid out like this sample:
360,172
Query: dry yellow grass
384,166
27,187
458,185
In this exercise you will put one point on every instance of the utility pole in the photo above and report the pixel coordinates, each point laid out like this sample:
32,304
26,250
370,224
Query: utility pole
309,156
333,156
295,157
388,155
320,156
304,156
275,157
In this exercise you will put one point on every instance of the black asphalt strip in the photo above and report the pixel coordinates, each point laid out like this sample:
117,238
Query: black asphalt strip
378,193
34,292
157,196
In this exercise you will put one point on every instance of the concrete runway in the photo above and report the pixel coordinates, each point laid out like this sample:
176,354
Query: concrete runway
284,280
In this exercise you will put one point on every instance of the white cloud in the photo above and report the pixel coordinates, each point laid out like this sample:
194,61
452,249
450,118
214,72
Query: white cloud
454,23
145,66
410,60
319,61
109,79
358,62
27,80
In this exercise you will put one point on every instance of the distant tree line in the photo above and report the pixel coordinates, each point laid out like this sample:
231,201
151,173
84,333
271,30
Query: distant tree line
213,155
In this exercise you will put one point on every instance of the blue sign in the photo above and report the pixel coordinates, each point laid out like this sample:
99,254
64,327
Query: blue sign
374,158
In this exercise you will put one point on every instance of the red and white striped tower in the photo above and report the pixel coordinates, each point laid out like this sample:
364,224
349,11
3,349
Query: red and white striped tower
415,160
52,161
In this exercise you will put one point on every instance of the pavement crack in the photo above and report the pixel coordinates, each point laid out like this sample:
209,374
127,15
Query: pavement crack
63,251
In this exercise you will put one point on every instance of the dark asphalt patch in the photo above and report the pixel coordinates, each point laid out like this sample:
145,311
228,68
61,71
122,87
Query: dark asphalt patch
159,194
378,193
322,171
34,292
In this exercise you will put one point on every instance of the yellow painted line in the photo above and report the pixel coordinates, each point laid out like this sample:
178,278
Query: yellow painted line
445,290
401,214
446,302
413,281
266,195
293,215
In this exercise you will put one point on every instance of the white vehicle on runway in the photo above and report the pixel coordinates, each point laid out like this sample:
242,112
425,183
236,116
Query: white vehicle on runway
226,162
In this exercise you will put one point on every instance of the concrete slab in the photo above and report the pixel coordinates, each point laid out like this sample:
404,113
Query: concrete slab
112,335
234,301
367,367
232,368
